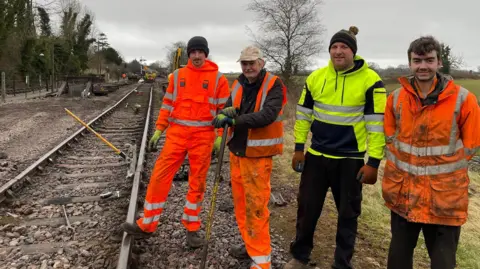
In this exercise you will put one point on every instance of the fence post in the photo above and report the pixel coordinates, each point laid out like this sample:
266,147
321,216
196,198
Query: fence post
4,88
27,86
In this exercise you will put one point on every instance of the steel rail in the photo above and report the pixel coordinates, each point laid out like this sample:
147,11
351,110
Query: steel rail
47,157
127,240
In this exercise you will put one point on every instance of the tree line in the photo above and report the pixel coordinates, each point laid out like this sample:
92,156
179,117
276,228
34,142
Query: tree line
31,44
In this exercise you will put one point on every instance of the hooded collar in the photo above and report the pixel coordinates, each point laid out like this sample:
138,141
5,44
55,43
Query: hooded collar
359,64
442,90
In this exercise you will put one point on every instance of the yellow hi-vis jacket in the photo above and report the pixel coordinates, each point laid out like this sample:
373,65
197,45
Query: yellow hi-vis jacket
343,110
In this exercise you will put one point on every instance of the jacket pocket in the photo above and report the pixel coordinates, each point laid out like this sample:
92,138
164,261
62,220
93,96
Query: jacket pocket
392,185
449,195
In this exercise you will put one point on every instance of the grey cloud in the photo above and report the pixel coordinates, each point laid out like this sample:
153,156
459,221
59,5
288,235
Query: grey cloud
144,28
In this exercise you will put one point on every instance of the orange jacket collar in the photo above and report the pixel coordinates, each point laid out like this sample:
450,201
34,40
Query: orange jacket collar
446,84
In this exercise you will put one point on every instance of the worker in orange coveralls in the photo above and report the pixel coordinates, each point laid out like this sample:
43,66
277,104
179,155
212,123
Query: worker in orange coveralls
431,124
254,112
194,95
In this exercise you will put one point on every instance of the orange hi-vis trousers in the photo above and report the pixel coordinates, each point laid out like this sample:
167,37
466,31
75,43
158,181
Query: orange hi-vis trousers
180,140
251,194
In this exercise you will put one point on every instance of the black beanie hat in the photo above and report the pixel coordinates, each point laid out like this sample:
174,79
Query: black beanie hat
197,43
346,37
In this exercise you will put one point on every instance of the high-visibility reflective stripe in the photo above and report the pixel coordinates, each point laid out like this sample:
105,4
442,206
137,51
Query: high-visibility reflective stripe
374,128
191,122
374,117
261,260
429,151
303,117
345,109
189,218
153,206
234,91
219,75
305,110
256,266
175,84
461,97
168,95
337,119
166,107
264,142
264,90
429,170
396,94
191,206
216,101
151,219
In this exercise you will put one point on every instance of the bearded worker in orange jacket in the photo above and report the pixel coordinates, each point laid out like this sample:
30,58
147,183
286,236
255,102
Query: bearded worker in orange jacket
431,125
194,95
254,113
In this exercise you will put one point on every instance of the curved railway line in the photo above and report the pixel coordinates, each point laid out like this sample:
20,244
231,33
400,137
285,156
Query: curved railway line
64,211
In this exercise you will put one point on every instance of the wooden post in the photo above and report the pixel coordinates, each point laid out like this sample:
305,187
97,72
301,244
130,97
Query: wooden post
27,86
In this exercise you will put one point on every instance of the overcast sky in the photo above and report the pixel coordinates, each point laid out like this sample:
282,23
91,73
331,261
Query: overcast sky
143,28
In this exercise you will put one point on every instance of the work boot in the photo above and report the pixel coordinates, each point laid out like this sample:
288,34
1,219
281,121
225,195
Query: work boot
239,252
295,264
133,229
194,240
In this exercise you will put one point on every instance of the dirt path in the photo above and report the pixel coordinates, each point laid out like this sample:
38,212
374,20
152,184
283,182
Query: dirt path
30,127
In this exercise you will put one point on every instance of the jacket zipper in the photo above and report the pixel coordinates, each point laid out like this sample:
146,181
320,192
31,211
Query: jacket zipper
323,87
343,87
336,80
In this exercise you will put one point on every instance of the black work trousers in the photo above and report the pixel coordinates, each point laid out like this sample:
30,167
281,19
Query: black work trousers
441,242
319,174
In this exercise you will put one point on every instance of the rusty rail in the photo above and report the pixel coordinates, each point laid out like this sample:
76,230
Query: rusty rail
127,241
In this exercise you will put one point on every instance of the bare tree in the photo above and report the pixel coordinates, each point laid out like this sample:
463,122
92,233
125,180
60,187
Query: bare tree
172,51
289,32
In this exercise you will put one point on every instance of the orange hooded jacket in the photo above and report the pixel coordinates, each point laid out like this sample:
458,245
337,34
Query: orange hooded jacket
429,143
194,97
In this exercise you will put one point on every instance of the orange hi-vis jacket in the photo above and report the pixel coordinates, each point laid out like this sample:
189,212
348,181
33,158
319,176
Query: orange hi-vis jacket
429,143
268,140
192,97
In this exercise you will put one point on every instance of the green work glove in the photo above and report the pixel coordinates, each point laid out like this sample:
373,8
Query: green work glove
152,144
220,120
216,145
229,112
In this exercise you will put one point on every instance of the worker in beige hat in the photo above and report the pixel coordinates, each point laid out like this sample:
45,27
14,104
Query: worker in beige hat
253,112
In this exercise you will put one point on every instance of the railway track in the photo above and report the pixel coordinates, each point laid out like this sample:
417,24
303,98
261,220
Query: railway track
64,211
